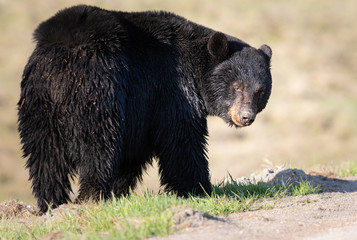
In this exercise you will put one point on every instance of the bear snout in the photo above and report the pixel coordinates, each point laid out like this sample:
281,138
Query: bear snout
242,116
247,117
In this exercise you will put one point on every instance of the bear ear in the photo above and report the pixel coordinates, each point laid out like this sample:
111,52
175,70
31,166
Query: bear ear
266,50
218,46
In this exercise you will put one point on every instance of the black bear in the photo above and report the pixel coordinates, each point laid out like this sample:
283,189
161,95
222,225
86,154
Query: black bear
106,92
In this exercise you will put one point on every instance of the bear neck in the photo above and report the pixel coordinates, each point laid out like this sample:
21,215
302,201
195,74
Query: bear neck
190,42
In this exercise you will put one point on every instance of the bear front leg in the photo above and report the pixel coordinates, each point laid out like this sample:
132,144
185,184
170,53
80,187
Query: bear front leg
183,165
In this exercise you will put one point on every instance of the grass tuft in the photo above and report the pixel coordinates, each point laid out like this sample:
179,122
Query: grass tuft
303,188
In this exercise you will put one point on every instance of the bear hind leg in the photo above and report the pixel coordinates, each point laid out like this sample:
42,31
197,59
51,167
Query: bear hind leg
49,170
127,177
95,179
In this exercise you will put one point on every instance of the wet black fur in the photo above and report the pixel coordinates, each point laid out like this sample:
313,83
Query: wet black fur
105,92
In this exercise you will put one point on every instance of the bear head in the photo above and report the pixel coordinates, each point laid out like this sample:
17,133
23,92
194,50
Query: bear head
239,84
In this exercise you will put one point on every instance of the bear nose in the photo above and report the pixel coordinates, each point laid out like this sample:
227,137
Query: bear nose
247,117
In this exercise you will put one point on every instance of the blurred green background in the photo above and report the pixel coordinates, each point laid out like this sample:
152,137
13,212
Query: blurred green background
311,118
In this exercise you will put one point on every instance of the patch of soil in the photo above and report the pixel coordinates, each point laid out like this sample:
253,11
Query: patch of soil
190,218
331,214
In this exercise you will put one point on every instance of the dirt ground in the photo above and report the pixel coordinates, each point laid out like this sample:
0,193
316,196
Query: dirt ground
331,214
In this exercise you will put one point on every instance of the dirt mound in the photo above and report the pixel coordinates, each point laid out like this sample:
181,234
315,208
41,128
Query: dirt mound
326,181
272,176
17,209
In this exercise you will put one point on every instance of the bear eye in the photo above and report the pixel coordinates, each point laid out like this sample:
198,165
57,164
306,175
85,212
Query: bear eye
259,91
236,86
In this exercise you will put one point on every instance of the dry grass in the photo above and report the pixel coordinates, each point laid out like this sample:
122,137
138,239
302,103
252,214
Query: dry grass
312,114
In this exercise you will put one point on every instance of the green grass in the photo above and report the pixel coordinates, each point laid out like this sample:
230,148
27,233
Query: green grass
142,215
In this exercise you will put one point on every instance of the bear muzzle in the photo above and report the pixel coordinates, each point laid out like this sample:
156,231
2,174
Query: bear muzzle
242,117
247,117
